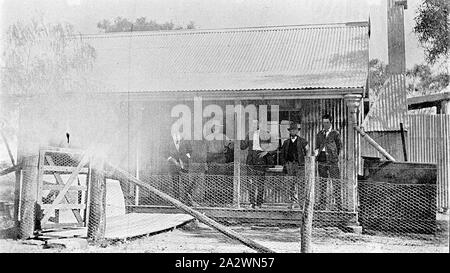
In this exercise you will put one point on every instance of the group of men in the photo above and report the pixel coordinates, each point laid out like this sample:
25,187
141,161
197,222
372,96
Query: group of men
292,156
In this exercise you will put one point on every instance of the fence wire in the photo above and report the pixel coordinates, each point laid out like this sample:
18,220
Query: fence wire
400,208
267,197
404,214
214,187
7,183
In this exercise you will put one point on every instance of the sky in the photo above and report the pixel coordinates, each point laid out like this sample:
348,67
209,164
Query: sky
207,14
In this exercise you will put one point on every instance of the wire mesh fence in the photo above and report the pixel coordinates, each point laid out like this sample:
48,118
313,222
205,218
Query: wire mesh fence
214,187
398,213
397,208
7,200
265,196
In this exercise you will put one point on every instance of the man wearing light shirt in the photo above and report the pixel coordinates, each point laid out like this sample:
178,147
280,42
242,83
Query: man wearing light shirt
328,147
257,161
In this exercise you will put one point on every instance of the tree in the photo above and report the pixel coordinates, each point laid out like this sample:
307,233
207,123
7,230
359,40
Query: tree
140,24
422,81
432,29
40,58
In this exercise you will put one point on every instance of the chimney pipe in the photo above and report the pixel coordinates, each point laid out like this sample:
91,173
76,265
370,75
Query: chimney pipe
396,36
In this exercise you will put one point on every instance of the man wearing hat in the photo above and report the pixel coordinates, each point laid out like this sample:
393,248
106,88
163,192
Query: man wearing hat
293,152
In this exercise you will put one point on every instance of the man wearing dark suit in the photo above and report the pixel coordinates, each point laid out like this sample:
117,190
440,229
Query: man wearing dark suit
293,152
328,147
257,161
179,153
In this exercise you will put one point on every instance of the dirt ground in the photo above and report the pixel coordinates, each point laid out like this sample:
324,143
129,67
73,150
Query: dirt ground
202,239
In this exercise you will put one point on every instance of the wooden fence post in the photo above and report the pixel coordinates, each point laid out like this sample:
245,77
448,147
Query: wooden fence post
237,155
29,197
97,205
307,219
402,132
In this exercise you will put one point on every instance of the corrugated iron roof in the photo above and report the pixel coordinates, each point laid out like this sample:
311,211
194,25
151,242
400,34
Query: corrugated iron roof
390,107
286,57
331,56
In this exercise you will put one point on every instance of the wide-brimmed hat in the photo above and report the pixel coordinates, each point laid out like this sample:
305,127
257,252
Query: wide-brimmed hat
292,126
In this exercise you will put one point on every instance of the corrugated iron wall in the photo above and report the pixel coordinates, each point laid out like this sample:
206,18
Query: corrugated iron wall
429,142
389,109
390,141
311,112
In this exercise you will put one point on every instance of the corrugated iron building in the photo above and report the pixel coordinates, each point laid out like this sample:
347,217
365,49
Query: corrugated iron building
382,122
268,58
266,64
141,76
389,109
429,142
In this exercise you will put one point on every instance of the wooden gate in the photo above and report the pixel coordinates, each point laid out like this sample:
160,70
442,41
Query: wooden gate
63,188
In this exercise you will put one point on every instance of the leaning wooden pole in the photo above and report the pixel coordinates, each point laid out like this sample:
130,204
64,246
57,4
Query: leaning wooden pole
373,143
119,174
10,170
308,208
97,204
11,157
402,132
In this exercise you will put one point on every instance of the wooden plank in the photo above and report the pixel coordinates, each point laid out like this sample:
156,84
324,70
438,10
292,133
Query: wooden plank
272,215
58,187
62,150
64,206
63,192
427,100
127,226
40,182
88,196
9,170
63,169
68,233
59,180
138,224
50,225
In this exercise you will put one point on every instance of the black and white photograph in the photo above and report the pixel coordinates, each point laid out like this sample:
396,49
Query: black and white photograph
224,127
